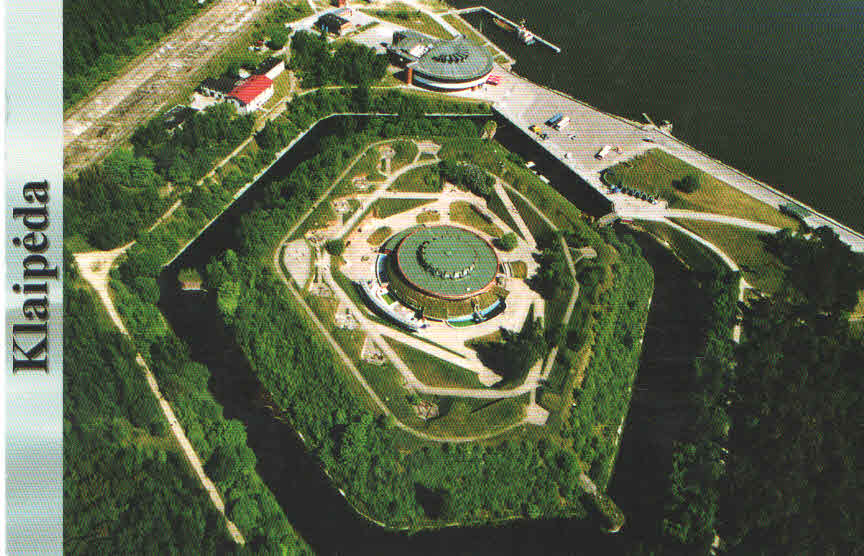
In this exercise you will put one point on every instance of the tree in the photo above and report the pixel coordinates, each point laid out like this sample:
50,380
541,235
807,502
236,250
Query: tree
687,184
509,241
335,247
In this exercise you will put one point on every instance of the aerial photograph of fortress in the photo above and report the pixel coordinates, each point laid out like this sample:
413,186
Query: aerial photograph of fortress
425,276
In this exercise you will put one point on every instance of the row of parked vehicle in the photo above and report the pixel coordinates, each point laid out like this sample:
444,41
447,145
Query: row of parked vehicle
634,193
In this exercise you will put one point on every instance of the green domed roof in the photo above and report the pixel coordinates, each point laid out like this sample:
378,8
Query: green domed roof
446,261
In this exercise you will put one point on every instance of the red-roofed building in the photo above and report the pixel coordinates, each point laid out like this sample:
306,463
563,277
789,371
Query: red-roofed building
250,94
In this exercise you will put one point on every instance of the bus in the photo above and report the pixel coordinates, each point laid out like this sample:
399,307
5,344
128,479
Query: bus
553,121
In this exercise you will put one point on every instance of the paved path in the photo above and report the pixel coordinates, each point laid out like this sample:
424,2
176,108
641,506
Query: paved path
525,103
95,268
511,208
660,214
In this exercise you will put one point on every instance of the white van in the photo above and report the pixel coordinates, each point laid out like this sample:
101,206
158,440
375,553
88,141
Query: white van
603,152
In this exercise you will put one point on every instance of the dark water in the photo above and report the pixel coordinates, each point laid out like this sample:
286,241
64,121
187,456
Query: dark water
772,88
318,511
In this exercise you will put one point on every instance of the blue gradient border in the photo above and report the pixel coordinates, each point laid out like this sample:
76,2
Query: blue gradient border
34,152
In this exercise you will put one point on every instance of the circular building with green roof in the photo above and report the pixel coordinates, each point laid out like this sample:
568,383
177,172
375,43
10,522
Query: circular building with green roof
450,65
444,271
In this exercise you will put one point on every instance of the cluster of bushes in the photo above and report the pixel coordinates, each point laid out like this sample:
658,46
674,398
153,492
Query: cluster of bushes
349,64
471,177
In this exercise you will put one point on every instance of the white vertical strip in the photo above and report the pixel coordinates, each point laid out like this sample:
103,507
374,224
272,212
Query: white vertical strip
33,248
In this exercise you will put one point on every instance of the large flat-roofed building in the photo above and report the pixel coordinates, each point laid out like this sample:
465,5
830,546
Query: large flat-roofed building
251,94
448,65
333,23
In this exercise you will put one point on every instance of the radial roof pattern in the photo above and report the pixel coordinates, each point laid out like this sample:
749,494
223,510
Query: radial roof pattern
447,261
455,60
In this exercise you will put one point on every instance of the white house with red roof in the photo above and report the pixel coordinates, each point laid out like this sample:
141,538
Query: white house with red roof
250,94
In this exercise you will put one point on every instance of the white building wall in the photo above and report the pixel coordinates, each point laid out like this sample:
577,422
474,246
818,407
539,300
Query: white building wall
276,70
449,86
256,103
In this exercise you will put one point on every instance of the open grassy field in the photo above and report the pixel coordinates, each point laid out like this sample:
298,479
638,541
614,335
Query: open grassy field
432,371
406,16
760,268
321,217
520,269
467,214
424,179
496,205
694,255
656,171
388,207
536,225
379,235
465,29
470,416
406,152
428,216
387,383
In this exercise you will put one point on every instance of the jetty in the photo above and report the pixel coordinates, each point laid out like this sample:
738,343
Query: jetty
513,24
581,148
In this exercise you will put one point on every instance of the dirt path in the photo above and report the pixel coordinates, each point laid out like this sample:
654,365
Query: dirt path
95,268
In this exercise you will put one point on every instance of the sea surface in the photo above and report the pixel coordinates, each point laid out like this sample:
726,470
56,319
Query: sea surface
775,89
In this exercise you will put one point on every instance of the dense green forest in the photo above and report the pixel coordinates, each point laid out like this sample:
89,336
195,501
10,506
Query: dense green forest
100,36
794,462
349,64
127,488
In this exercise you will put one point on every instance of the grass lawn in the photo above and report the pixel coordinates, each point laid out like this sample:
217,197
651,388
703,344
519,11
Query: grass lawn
655,172
388,207
463,27
387,383
520,269
428,216
496,205
402,14
406,152
379,235
281,89
467,214
369,165
760,268
424,179
432,371
321,217
466,417
536,225
695,255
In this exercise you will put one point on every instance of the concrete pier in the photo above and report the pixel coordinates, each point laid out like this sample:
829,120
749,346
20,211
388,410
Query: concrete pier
515,25
525,104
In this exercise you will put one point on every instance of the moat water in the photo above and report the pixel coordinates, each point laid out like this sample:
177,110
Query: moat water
315,507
